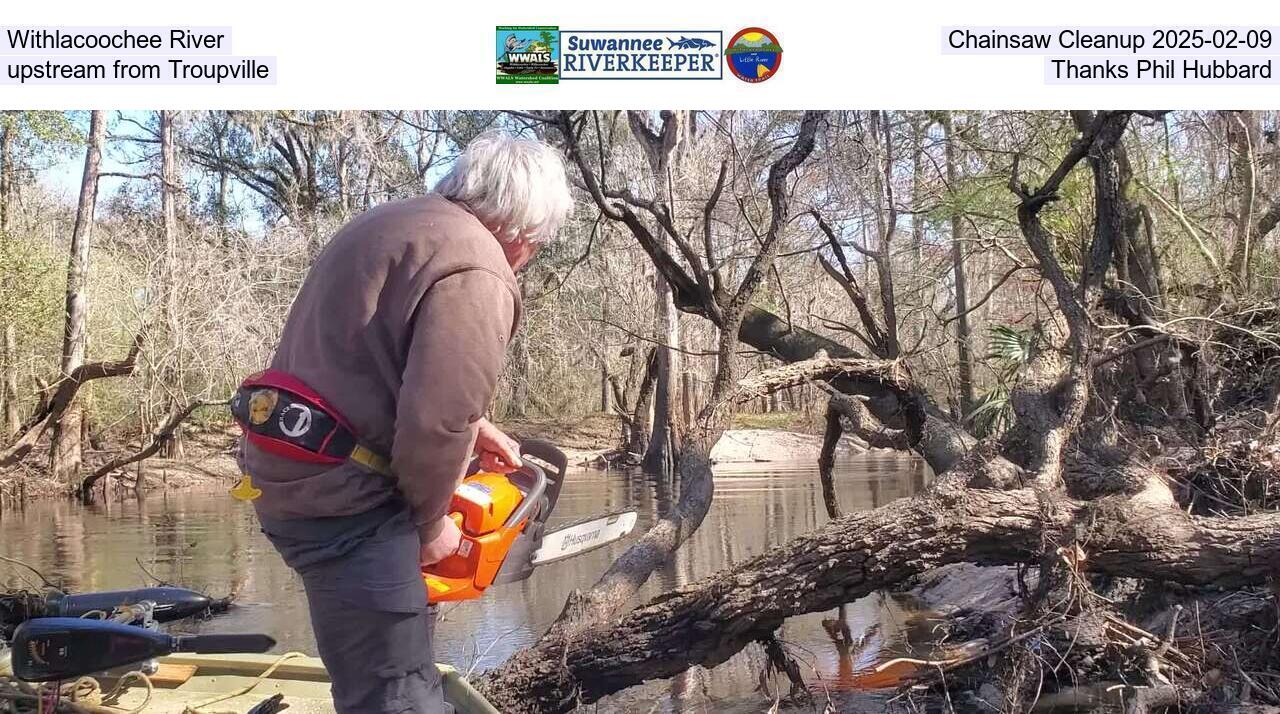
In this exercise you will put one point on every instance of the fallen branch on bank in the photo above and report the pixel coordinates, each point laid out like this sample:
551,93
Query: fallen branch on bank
159,436
64,392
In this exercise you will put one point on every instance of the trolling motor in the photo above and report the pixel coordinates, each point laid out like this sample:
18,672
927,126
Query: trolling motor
138,607
53,648
170,603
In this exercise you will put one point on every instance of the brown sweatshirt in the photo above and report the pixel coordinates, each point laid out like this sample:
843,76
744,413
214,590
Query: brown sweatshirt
402,325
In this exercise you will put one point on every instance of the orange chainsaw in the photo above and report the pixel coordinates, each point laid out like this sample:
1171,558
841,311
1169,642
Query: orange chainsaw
503,519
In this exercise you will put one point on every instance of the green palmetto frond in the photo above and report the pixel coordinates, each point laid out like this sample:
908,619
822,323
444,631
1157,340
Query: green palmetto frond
993,413
1009,351
1009,347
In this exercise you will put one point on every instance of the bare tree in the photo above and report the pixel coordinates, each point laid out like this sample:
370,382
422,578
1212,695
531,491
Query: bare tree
661,148
964,360
65,451
9,357
169,190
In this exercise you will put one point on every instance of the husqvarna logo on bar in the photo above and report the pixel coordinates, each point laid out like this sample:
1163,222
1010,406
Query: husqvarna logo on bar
641,54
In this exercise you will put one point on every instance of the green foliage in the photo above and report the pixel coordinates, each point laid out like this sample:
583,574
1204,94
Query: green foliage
993,413
1008,352
36,134
29,292
1009,348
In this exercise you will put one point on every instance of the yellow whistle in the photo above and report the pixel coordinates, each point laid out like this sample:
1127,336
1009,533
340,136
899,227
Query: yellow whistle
244,490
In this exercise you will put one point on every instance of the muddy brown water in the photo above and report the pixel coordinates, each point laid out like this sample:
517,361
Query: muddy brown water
211,542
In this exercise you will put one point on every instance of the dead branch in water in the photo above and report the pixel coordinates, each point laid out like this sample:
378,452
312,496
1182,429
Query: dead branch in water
158,438
44,580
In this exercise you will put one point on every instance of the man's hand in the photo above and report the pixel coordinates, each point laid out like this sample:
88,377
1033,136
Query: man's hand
443,545
498,452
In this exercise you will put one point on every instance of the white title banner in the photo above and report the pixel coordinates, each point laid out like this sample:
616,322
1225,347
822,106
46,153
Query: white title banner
744,55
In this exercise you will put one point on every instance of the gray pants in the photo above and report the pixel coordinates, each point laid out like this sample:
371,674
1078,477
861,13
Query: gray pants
373,626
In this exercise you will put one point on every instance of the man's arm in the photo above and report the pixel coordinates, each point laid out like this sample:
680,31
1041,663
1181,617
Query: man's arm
460,336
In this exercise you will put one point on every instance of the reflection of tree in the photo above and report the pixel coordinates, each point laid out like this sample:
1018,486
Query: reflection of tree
68,548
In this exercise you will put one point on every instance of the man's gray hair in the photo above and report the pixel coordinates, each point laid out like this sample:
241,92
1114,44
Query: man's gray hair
516,186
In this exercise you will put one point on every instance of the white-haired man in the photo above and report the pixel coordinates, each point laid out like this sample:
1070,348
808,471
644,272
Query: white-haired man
374,406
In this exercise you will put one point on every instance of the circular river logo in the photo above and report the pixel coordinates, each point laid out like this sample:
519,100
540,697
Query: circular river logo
753,54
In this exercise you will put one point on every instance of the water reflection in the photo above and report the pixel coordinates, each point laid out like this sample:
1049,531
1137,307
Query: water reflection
212,542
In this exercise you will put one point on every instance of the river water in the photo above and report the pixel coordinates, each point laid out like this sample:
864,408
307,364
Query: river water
211,542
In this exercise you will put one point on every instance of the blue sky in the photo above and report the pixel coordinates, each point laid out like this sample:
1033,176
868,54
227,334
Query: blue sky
62,175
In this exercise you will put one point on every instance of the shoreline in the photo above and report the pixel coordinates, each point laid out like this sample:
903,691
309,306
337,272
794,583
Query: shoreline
209,462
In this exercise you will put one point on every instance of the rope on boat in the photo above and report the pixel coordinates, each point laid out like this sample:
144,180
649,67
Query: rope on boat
198,707
83,696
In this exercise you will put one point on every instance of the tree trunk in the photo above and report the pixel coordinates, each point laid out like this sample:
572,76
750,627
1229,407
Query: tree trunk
710,620
659,458
641,415
6,177
605,406
1241,133
12,422
172,448
64,449
10,361
827,459
688,398
964,360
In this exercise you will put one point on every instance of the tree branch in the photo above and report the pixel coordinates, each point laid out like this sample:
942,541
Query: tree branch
158,438
63,394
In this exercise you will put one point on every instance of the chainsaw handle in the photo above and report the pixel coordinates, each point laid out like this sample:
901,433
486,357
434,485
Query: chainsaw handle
532,498
547,452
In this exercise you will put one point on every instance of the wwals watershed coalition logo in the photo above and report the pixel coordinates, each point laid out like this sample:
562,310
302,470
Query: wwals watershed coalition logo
754,55
528,54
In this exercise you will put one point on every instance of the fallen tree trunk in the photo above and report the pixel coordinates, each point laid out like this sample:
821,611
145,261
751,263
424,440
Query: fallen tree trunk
52,408
935,436
708,621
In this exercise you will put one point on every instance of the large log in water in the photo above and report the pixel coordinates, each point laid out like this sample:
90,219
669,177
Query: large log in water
708,621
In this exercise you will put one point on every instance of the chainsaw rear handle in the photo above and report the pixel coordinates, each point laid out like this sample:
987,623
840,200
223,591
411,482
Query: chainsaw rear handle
484,543
503,553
